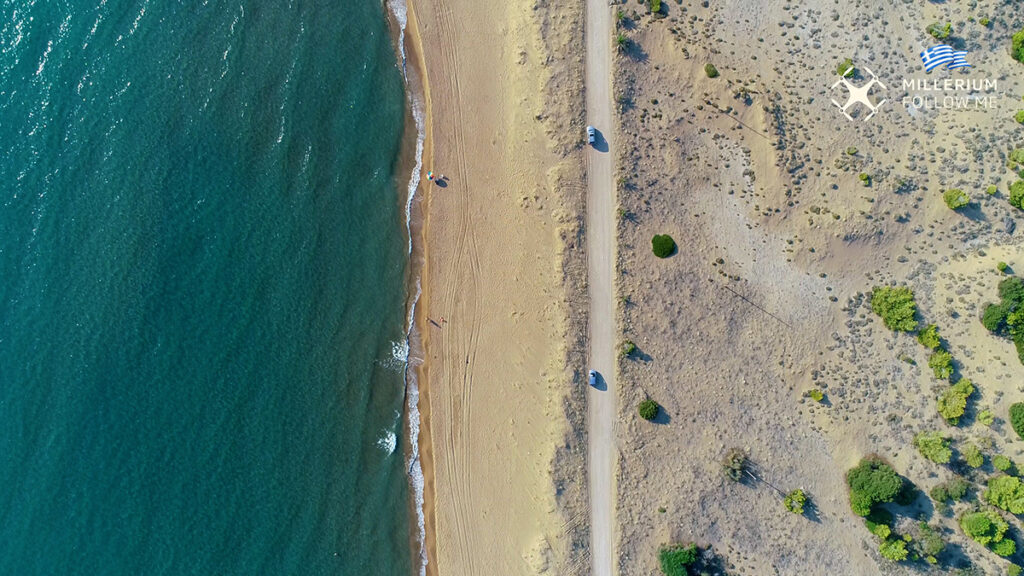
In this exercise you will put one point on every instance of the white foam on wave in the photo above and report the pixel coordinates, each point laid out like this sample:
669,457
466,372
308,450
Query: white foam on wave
400,11
388,442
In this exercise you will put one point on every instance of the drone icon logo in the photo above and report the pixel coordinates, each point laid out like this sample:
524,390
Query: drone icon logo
859,94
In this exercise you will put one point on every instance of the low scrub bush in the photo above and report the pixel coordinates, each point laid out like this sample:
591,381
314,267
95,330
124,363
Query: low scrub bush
1019,117
710,70
929,543
872,482
929,337
896,306
939,31
894,550
951,490
674,558
953,401
734,464
986,418
1017,418
845,68
941,363
1005,492
933,446
956,199
972,456
1002,463
663,245
1017,46
649,409
794,501
1017,194
986,527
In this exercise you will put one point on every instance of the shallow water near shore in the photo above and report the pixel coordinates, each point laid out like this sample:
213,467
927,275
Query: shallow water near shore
202,305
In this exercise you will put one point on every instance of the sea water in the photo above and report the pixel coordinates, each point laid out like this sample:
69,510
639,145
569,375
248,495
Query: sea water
203,260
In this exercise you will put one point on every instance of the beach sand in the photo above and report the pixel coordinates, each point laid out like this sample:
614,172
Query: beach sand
499,314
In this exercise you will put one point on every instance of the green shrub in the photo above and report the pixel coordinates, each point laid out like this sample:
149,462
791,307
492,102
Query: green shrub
1002,266
1005,492
852,150
933,446
628,348
986,527
1017,194
930,542
674,558
972,456
816,395
734,463
952,490
1001,463
1014,570
649,409
845,68
929,337
655,6
1017,46
1012,290
994,317
991,190
956,199
794,501
865,178
1004,547
1017,418
941,363
1019,117
872,482
894,550
953,401
1017,156
896,307
883,531
710,70
984,22
986,418
663,245
938,31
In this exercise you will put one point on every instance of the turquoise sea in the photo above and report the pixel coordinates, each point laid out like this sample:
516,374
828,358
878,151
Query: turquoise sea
203,283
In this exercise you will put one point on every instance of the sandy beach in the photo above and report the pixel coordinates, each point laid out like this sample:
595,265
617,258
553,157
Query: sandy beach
499,316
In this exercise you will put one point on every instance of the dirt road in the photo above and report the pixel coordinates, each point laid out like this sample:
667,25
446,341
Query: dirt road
600,229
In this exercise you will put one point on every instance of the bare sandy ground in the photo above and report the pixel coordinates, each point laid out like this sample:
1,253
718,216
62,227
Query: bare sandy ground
779,243
501,306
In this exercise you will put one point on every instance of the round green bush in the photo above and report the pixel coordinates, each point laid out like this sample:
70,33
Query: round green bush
1017,418
674,558
649,409
871,482
663,245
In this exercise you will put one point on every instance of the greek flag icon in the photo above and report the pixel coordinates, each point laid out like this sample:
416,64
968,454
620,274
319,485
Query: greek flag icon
942,54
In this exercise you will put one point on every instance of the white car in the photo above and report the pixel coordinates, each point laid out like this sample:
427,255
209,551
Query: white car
593,378
591,135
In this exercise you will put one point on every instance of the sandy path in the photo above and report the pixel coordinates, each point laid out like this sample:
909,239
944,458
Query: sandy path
600,273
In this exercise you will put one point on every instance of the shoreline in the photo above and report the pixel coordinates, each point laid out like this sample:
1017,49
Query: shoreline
418,235
416,153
